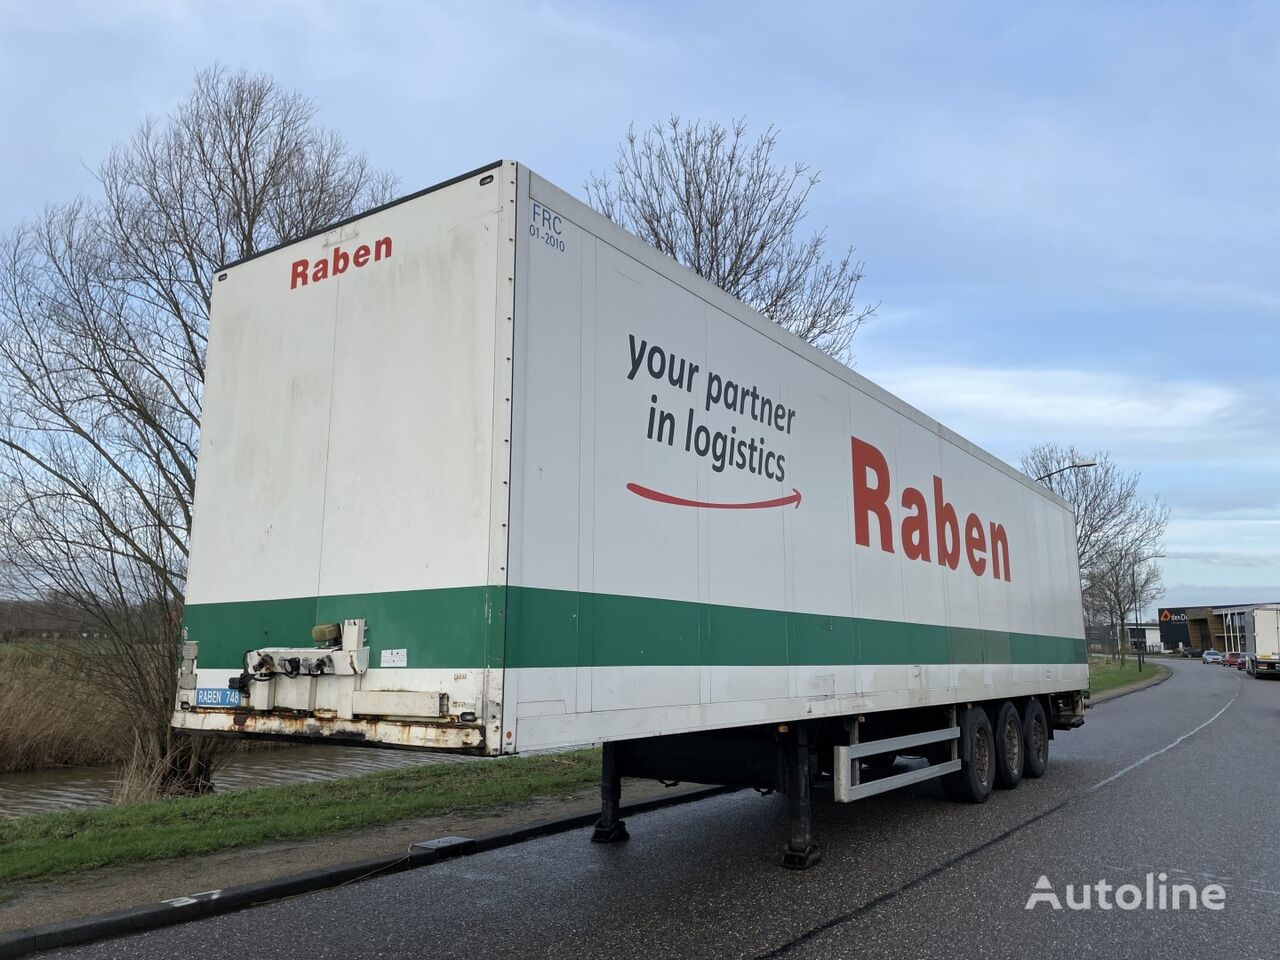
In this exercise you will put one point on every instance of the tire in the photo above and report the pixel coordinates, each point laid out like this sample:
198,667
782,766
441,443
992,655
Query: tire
880,761
1035,739
1010,746
972,783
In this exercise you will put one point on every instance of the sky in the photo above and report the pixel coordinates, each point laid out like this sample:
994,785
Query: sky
1067,211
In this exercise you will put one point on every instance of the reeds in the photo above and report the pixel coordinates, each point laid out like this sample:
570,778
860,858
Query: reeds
47,717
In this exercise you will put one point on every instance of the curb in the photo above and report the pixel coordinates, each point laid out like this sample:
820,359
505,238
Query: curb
20,943
1124,691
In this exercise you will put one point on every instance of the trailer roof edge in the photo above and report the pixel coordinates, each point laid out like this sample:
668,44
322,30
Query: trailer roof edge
362,214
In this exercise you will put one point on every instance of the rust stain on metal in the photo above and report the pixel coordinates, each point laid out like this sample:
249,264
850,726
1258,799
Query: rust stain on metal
437,735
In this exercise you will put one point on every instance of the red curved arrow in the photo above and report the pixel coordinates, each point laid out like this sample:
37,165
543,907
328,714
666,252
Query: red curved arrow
648,494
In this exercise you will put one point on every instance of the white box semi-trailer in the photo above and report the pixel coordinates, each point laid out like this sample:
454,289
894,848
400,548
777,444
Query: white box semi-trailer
1264,658
480,471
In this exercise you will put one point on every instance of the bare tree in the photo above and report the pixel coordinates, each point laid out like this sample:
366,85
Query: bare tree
1122,583
1119,532
711,198
104,311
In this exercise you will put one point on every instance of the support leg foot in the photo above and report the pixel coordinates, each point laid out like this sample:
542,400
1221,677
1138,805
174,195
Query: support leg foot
800,852
615,832
801,859
609,829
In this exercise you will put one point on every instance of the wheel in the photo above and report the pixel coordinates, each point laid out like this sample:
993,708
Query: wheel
880,761
1035,739
973,781
1008,740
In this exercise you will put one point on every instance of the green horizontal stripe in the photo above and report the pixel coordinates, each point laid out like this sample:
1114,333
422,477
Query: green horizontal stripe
440,628
555,628
462,628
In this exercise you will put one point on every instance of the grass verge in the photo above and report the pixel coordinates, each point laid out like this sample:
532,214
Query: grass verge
48,844
1105,676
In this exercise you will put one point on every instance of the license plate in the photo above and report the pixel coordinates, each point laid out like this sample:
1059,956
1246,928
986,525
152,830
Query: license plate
217,697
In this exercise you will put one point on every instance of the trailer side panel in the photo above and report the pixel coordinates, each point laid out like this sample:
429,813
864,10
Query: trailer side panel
715,526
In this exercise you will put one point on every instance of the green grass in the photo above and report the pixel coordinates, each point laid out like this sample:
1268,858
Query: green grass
29,647
57,843
1104,676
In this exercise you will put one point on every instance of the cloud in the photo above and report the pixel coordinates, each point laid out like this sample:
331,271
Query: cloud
1206,447
1242,539
1218,595
1214,293
1082,167
1070,220
1230,555
1226,559
1012,407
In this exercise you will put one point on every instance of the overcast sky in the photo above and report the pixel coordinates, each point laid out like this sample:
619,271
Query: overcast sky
1067,211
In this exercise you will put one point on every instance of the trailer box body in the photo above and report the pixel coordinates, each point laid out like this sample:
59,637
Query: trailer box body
553,488
1264,641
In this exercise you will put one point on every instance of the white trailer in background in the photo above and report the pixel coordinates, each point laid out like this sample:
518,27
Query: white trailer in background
482,472
1264,642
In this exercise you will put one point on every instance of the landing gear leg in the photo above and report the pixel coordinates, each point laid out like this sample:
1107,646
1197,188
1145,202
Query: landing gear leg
609,829
800,852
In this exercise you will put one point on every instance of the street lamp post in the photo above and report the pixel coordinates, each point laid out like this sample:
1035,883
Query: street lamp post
1137,614
1079,465
1069,466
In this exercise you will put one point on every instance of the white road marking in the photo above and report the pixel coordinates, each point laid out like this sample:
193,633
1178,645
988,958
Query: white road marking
1165,749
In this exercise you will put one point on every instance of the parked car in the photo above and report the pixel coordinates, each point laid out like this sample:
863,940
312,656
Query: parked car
1235,659
1211,656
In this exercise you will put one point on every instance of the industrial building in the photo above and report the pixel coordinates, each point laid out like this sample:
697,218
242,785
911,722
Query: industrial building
1225,628
1140,636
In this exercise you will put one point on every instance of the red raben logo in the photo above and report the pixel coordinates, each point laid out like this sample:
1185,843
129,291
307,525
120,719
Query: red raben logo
313,271
871,489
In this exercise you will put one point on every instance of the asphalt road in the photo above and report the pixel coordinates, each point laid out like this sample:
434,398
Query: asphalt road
1183,778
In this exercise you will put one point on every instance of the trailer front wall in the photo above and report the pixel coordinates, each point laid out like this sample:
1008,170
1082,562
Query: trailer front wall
353,451
634,609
